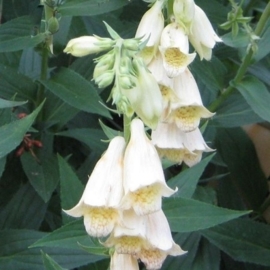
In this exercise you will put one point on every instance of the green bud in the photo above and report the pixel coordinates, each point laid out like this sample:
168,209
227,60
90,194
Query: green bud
53,25
131,44
126,82
105,79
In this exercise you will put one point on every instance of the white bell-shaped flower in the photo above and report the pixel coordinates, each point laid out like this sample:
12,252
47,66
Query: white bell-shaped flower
150,28
85,45
202,35
144,181
188,111
145,98
103,192
174,48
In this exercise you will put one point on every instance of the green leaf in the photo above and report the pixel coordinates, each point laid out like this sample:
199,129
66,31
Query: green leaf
256,95
76,91
212,73
243,239
2,165
187,180
9,103
16,254
49,263
71,189
12,134
91,137
241,40
263,45
238,152
23,87
98,250
43,177
89,7
16,35
187,215
30,210
234,112
109,132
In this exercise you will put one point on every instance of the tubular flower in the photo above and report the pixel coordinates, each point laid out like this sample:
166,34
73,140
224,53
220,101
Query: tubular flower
145,98
174,49
85,45
123,261
144,181
202,35
150,28
189,110
103,192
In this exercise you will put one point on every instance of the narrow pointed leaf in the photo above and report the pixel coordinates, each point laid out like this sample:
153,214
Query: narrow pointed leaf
76,91
49,263
12,134
187,215
9,103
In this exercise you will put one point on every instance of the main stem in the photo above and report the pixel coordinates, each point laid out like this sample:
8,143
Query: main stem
245,64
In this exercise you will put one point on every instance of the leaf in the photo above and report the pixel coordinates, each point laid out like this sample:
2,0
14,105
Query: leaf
16,35
9,103
212,73
89,7
23,87
187,215
263,45
2,165
12,134
238,152
30,210
99,250
76,91
43,177
109,132
187,180
234,112
91,137
241,40
49,263
71,189
256,95
16,254
243,239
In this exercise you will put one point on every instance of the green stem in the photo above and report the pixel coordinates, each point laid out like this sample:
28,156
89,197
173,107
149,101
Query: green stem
126,125
245,64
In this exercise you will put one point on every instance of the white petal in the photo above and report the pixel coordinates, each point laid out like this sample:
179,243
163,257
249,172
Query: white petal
123,262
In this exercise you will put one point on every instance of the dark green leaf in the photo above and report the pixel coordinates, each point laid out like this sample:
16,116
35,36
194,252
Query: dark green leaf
16,254
238,152
43,177
187,215
49,263
9,103
234,112
12,134
76,91
241,40
13,83
30,210
243,239
91,137
110,133
68,182
212,73
2,165
187,180
17,34
263,45
90,7
256,95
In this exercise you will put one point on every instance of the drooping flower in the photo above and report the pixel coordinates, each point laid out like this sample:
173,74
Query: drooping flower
145,98
174,48
103,192
189,109
144,181
150,28
85,45
202,35
123,261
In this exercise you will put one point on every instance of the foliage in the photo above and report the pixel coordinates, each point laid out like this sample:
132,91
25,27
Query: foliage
54,127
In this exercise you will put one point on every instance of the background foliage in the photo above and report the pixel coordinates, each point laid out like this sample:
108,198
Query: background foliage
220,211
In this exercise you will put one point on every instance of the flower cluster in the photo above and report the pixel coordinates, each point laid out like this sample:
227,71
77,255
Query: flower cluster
122,200
177,136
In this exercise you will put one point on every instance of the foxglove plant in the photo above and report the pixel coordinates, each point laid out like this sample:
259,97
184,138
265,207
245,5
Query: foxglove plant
149,76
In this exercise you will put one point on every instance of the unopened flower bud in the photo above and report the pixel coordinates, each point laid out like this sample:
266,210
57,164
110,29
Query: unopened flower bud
104,63
126,82
131,44
53,25
87,45
105,79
